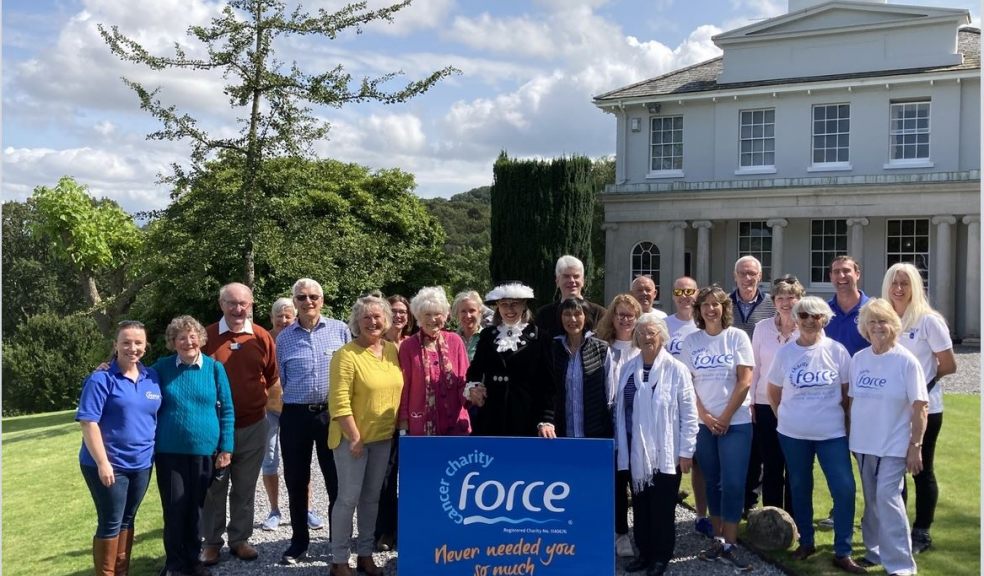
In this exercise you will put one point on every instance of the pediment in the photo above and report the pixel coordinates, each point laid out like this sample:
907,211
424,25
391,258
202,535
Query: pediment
840,16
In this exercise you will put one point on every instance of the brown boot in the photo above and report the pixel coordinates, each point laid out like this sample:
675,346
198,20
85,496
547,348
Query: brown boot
365,565
123,547
341,570
104,556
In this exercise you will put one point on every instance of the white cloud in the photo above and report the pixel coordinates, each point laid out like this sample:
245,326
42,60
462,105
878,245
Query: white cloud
517,36
394,133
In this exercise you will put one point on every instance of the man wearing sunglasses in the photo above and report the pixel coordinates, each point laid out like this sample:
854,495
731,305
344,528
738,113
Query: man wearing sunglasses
750,303
304,351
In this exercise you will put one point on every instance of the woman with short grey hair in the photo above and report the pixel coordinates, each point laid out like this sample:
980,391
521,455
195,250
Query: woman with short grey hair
888,418
808,394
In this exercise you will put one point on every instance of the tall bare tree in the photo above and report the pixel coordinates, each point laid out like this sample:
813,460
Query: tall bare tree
274,98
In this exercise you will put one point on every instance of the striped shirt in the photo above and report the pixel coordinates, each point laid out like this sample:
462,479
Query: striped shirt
629,394
304,356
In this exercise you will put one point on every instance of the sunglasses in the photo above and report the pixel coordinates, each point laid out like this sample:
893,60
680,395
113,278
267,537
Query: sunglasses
306,297
805,315
684,291
789,279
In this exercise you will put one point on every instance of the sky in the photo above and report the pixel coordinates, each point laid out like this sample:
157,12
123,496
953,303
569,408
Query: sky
529,71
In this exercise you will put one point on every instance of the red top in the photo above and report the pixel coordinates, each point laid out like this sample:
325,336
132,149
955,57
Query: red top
451,414
250,361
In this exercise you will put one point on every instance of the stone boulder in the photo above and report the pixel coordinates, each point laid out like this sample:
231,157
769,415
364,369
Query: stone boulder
771,528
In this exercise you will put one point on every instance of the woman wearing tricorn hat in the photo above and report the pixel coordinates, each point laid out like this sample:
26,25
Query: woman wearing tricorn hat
506,379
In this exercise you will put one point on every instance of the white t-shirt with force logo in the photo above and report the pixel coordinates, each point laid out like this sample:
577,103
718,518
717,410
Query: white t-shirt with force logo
883,389
679,329
811,379
714,360
928,336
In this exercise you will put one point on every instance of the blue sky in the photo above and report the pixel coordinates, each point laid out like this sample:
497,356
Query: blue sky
529,71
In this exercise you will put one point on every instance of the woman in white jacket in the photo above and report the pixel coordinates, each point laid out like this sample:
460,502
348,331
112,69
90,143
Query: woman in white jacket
656,431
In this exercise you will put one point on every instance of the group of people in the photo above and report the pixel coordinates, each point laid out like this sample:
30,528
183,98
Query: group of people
691,392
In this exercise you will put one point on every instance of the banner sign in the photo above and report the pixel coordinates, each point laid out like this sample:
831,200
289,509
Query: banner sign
474,506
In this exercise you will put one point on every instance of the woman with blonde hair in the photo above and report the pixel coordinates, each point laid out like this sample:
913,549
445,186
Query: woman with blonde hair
888,419
363,399
467,311
616,328
926,335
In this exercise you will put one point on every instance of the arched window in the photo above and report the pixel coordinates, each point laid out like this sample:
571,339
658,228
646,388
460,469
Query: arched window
645,261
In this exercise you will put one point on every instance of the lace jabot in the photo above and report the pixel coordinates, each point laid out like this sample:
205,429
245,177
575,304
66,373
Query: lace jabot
509,336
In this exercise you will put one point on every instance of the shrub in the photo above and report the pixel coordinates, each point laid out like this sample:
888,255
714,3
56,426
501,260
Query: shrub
46,362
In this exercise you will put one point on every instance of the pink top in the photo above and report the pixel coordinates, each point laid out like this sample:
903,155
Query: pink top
449,411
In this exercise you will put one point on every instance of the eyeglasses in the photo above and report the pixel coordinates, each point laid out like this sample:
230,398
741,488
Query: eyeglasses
306,297
684,291
805,315
625,317
130,324
398,312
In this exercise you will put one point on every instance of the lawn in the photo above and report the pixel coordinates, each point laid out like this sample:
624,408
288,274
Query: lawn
48,517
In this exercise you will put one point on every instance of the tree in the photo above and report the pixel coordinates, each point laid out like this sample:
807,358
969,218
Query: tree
273,98
99,241
603,173
47,360
465,218
351,229
37,280
540,211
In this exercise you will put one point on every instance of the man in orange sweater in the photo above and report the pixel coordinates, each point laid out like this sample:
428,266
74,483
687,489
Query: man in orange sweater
249,355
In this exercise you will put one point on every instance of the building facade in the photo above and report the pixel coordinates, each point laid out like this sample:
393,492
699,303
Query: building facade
837,128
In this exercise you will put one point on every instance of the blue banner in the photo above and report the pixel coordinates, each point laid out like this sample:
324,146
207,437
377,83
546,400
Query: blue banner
473,506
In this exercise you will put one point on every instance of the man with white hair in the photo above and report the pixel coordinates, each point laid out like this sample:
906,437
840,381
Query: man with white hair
750,303
569,276
645,292
304,351
249,355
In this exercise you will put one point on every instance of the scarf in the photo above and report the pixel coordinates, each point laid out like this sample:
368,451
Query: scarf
509,336
431,387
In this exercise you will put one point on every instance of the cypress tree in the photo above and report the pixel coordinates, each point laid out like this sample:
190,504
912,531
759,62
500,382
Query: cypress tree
541,210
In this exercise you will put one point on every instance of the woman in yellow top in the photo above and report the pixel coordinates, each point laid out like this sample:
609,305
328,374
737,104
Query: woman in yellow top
364,390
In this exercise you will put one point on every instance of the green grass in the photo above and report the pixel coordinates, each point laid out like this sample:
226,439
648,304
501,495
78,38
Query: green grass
956,530
48,517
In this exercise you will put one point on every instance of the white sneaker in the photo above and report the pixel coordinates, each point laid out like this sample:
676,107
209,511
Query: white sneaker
623,546
272,522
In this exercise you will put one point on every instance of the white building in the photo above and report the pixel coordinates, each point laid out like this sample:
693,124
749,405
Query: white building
837,128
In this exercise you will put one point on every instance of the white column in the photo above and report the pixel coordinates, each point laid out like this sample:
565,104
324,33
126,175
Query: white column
778,226
679,247
855,247
972,278
942,281
703,251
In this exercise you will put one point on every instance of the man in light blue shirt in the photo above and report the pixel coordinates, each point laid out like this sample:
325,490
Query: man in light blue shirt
304,351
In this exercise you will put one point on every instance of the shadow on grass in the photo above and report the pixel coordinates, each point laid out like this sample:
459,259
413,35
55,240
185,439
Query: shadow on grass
140,565
42,434
22,423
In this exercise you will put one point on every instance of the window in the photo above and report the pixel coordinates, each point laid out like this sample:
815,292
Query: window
667,143
831,133
908,241
755,239
909,132
828,239
758,138
645,262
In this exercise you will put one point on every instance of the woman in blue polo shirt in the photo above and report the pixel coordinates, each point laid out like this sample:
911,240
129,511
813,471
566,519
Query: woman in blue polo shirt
118,415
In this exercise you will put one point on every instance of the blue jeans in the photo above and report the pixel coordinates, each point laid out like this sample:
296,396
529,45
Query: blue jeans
724,461
116,505
835,461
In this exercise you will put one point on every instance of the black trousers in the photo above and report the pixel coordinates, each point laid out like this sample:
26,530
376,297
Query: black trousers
623,481
927,490
386,516
765,440
182,480
303,426
654,512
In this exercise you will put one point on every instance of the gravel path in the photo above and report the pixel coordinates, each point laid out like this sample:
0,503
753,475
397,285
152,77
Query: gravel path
272,544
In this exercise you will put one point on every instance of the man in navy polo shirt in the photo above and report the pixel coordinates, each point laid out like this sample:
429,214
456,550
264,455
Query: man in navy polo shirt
848,299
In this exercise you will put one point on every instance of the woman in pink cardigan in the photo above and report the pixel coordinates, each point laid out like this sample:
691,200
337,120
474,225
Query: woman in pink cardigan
434,362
